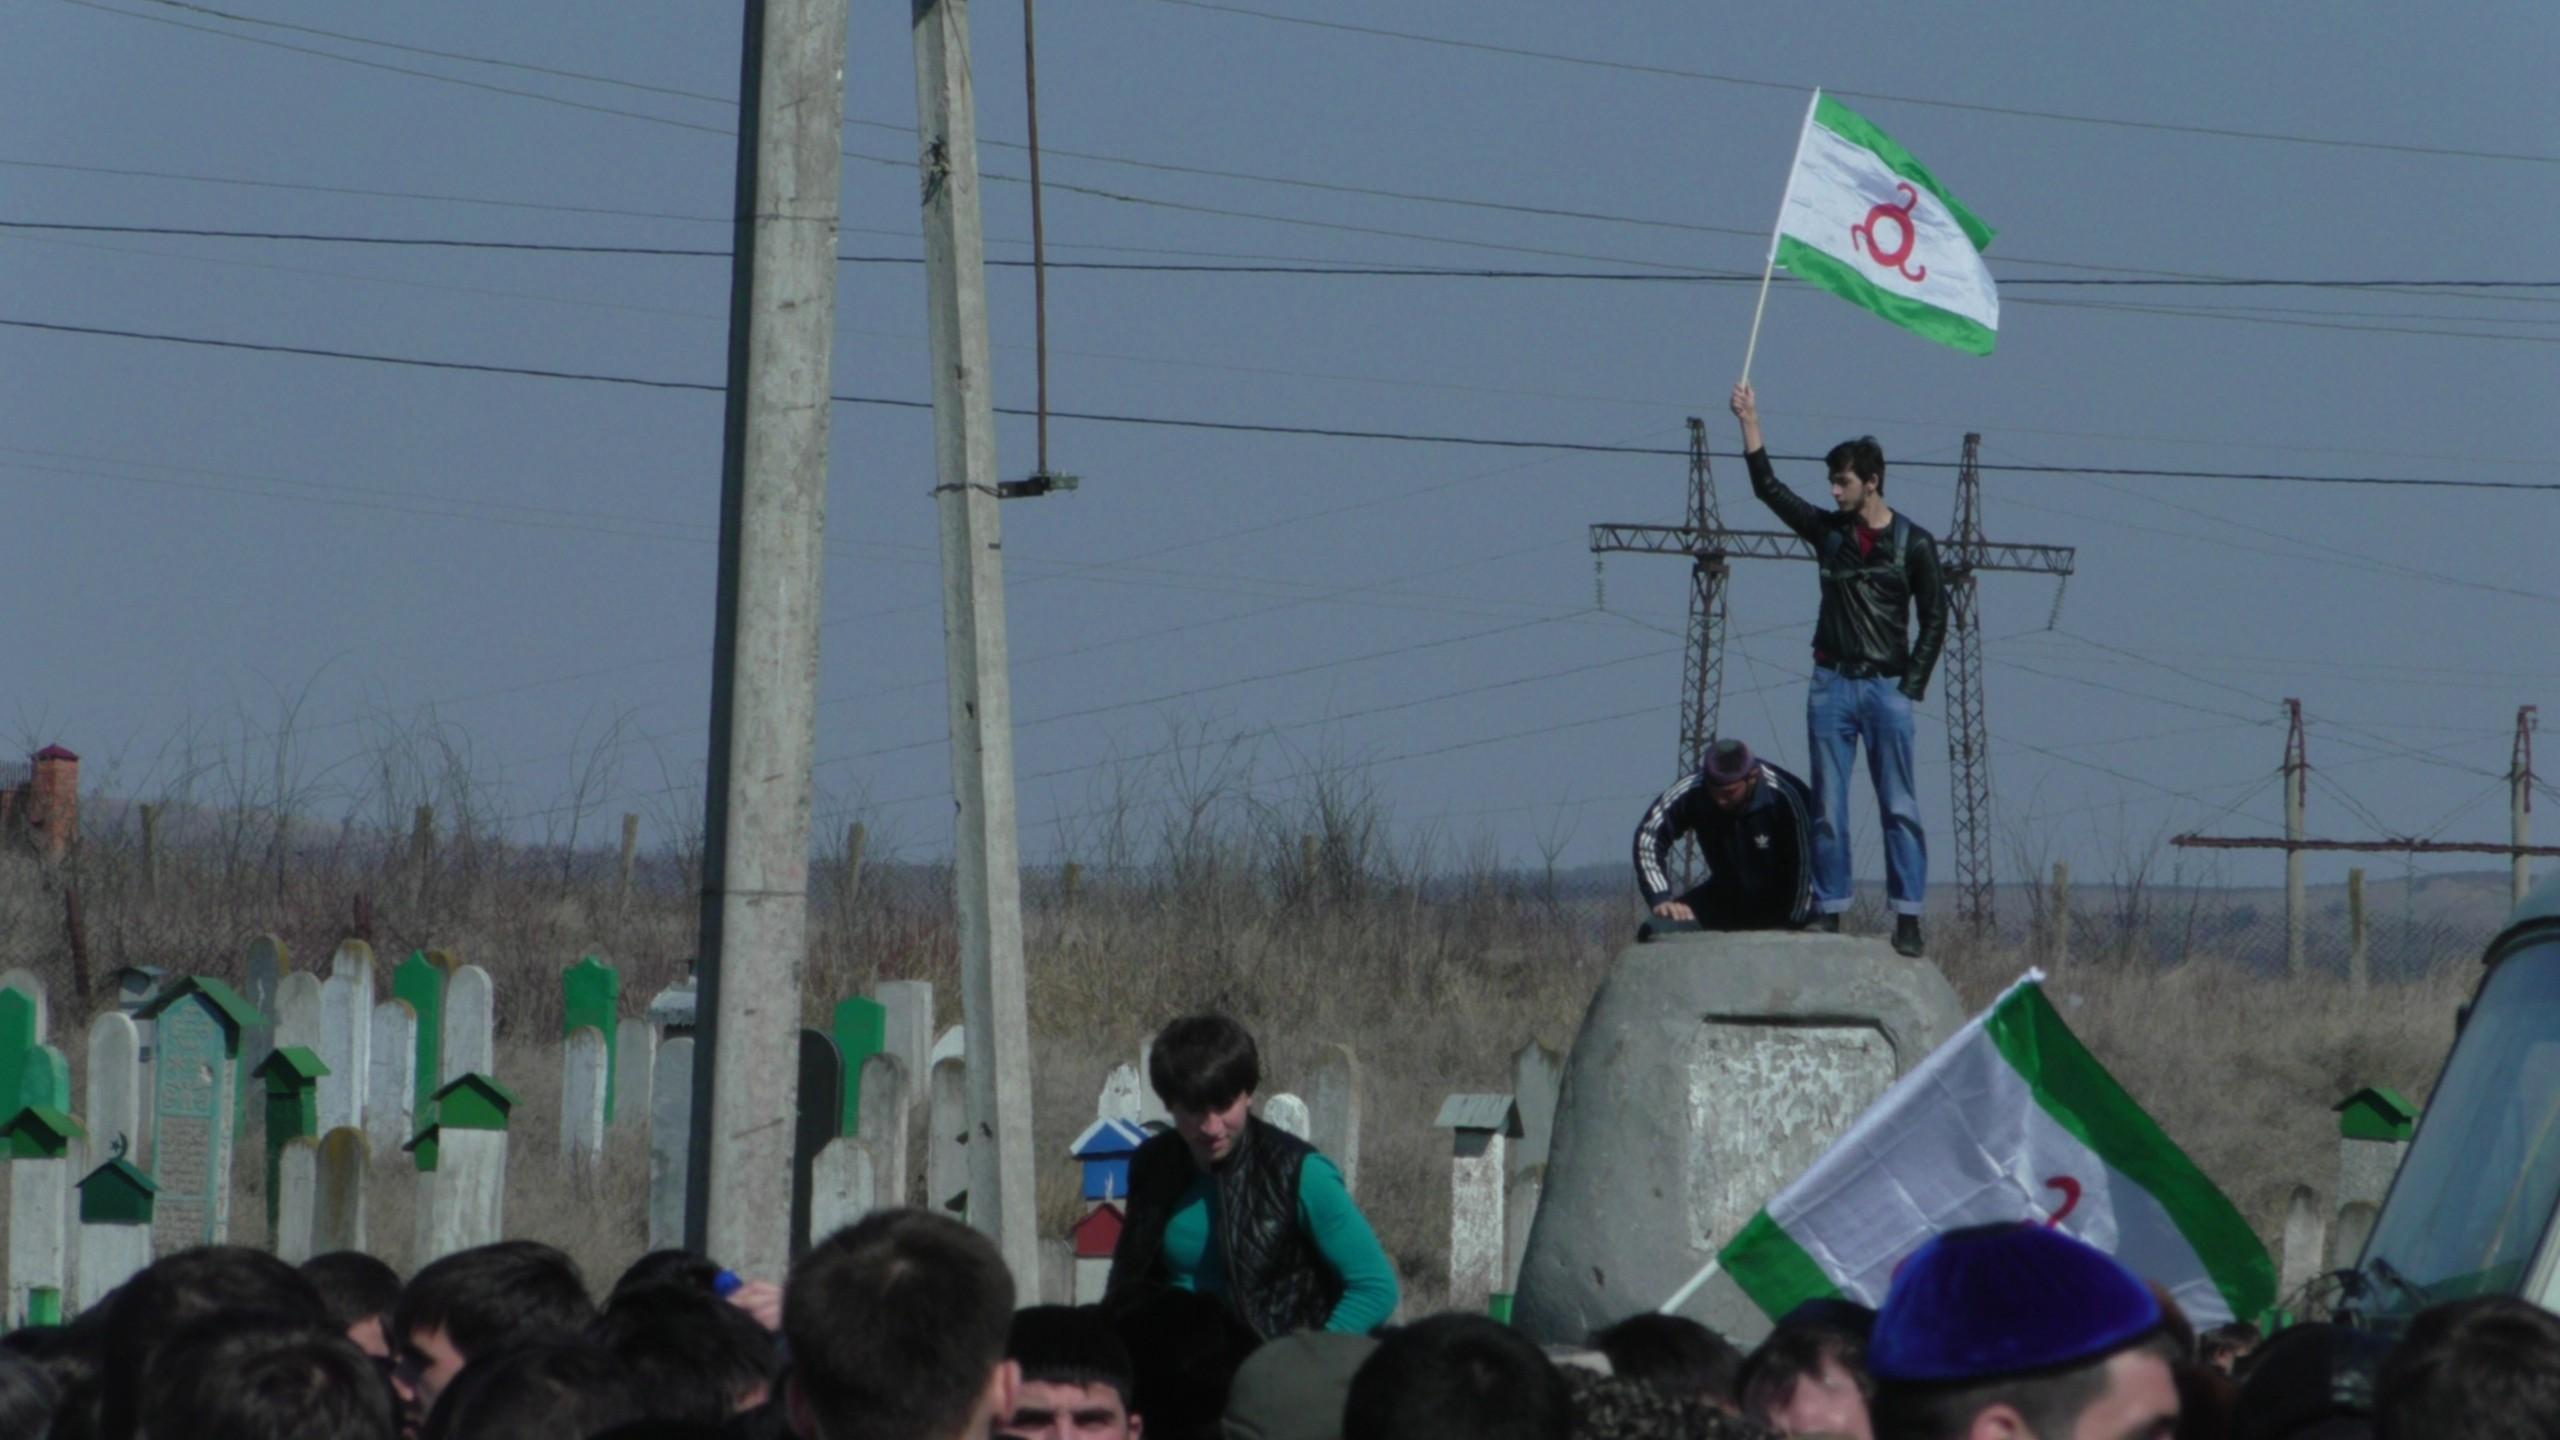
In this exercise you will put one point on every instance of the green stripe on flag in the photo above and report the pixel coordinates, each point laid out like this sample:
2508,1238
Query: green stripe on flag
2073,1088
1928,321
1855,128
1773,1269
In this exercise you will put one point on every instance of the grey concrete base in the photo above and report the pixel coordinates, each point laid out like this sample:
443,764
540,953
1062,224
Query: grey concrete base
1710,1071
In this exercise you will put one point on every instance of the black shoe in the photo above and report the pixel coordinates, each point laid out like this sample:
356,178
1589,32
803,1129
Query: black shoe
1825,924
1906,936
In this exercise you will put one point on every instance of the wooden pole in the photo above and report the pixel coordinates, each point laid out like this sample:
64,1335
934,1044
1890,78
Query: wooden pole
2357,975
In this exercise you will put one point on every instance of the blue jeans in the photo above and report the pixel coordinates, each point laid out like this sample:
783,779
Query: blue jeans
1838,712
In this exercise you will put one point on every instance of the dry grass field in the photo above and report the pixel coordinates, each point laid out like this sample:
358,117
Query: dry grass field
1433,965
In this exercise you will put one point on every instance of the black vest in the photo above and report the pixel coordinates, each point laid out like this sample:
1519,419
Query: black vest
1277,1281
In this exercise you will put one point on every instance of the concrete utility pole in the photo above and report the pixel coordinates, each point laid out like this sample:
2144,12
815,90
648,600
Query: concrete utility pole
2297,778
764,669
994,1011
2520,801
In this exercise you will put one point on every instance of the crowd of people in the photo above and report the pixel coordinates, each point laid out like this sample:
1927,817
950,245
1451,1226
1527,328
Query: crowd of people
1249,1300
905,1327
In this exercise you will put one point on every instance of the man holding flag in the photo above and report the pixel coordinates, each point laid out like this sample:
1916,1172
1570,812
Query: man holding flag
1867,671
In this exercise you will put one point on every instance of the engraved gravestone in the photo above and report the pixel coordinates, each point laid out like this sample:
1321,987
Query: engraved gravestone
194,1084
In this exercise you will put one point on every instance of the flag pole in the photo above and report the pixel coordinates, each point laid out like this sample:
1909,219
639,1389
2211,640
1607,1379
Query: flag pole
1697,1282
1771,264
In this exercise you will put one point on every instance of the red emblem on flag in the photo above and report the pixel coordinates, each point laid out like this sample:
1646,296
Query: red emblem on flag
1863,236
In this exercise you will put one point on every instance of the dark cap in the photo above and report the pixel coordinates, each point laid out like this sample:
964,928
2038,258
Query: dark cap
1727,761
1998,1300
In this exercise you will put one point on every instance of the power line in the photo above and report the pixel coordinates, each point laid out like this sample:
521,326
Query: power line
1239,426
1314,268
1748,82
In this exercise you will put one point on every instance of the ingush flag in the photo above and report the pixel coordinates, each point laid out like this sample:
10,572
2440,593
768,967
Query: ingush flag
2011,1120
1863,220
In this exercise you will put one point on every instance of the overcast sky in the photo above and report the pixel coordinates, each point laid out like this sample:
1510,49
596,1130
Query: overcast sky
200,531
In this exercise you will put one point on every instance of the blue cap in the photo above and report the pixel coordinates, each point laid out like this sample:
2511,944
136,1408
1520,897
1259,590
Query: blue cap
726,1284
2004,1300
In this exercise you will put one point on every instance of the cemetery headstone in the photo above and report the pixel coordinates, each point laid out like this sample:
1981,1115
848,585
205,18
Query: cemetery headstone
675,1009
635,1062
883,1132
337,1218
907,1024
267,964
820,1120
391,1088
346,1035
1287,1112
946,1153
1119,1099
861,1030
2374,1126
115,1227
1333,1110
115,1081
1763,1049
25,983
1481,1128
420,981
295,1198
2354,1227
2306,1242
292,1077
21,1032
39,1140
585,1070
467,1194
298,1012
843,1186
591,994
670,1142
470,1025
195,1073
951,1044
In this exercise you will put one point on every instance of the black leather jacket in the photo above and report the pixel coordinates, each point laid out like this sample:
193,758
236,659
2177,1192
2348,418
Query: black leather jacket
1277,1282
1865,622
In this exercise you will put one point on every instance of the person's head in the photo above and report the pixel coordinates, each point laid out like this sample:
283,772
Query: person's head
1077,1382
1205,1068
247,1375
1857,471
696,1356
897,1329
1731,774
1294,1387
173,1293
2479,1369
2309,1382
361,1292
666,1267
467,1305
27,1396
540,1389
1673,1354
1457,1377
2224,1346
1809,1377
2018,1332
1613,1407
1184,1348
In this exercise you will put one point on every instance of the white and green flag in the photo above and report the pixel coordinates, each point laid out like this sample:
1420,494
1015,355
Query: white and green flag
1864,221
2011,1120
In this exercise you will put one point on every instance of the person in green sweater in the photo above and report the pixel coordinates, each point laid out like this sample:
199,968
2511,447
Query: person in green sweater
1229,1206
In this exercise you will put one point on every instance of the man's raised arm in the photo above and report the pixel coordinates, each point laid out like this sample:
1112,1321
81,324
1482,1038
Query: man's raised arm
1802,518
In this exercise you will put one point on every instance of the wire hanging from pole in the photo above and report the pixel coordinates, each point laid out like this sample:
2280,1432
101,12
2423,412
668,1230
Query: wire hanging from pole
1040,481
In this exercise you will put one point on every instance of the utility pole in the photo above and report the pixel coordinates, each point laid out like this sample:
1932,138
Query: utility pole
2520,800
2297,771
764,669
995,1013
1961,556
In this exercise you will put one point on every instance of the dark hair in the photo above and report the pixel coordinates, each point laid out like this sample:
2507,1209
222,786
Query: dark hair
1184,1350
693,1354
1071,1345
666,1267
174,1292
493,1296
27,1396
536,1391
354,1286
1861,457
1794,1353
263,1376
2487,1368
896,1324
1457,1377
1203,1062
2049,1400
1672,1353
